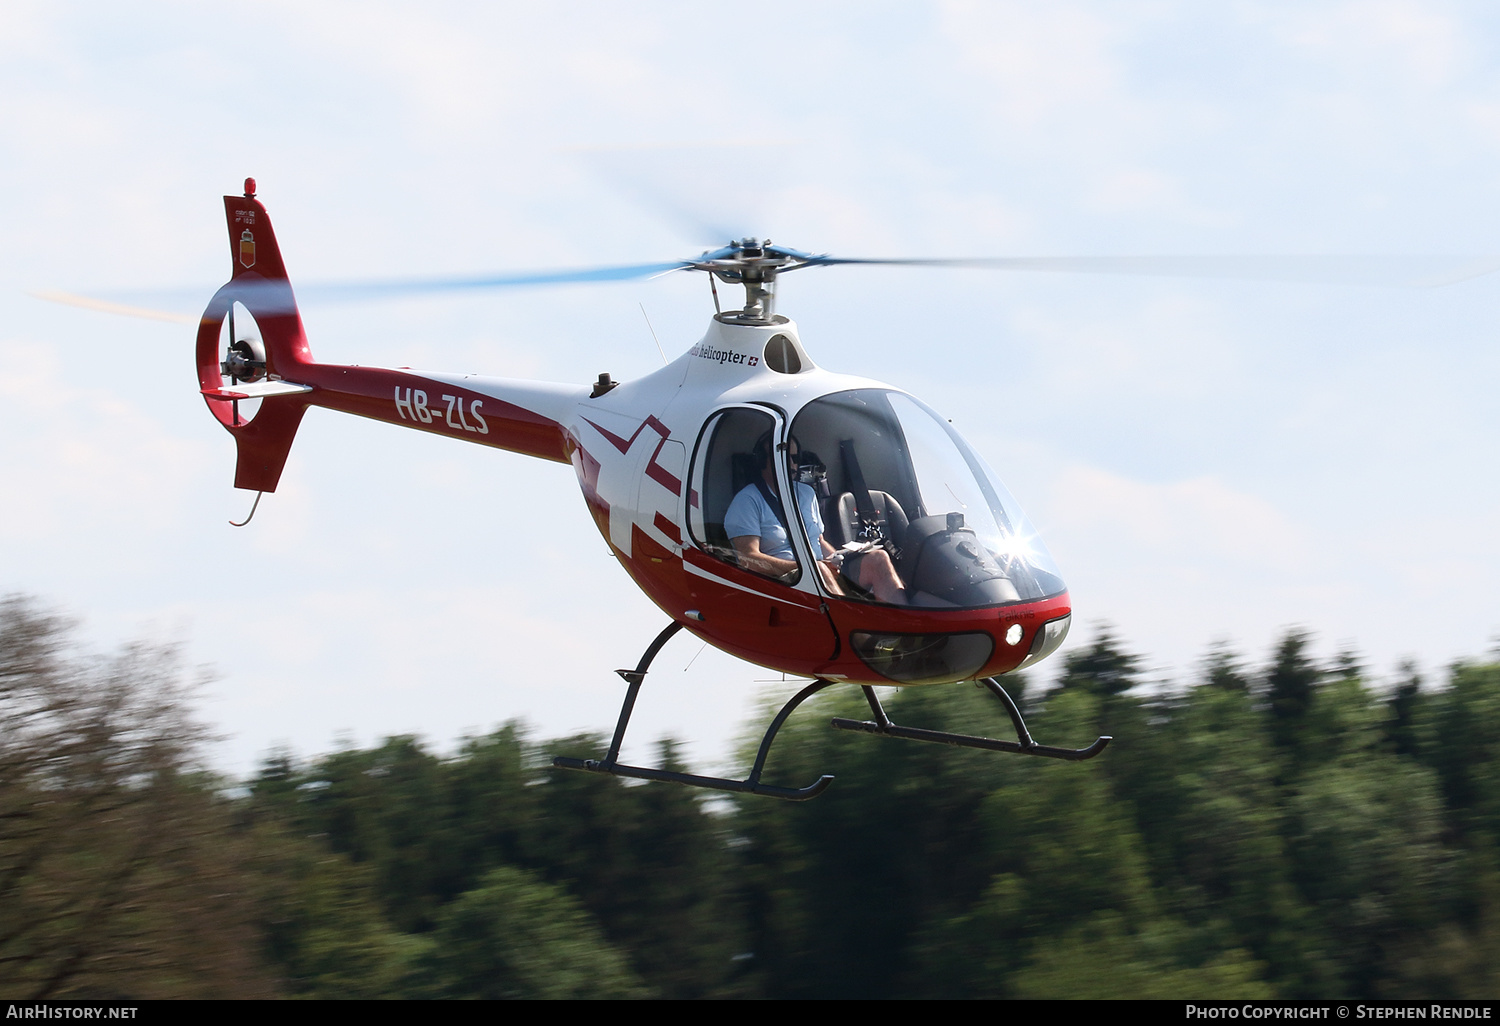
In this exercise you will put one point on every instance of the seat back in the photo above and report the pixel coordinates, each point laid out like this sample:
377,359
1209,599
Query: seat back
888,513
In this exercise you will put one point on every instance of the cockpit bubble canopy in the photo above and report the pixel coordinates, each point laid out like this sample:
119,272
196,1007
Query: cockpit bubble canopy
900,476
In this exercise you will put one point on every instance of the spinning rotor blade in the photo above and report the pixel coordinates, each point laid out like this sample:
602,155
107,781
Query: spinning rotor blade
278,295
125,310
681,183
1409,271
335,291
1397,271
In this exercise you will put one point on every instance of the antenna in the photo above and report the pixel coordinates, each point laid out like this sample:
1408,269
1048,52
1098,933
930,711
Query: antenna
659,349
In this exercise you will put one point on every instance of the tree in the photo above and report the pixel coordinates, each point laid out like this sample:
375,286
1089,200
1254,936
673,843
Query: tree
1367,858
1213,828
1224,669
1404,709
1290,683
320,924
1104,668
1461,740
386,807
836,889
515,936
1102,960
118,875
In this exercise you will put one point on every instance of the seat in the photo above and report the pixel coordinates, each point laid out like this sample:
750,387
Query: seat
888,514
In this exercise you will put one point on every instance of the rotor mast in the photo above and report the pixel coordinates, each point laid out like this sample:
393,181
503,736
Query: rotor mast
754,264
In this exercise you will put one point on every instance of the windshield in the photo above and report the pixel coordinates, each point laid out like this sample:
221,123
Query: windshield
895,477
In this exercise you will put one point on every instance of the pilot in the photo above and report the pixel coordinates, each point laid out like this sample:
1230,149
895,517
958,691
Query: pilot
756,523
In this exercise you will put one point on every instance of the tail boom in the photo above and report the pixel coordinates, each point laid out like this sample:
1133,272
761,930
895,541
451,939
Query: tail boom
519,416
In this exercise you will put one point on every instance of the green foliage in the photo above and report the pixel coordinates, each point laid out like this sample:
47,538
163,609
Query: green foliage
1186,861
1366,855
320,923
384,808
1101,960
117,875
514,936
1214,827
836,887
1403,712
1223,669
1460,739
1289,686
649,862
1288,835
1103,668
1460,958
652,864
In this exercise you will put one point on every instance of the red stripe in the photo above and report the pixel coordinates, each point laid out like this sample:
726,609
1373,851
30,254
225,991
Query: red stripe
760,585
655,471
667,528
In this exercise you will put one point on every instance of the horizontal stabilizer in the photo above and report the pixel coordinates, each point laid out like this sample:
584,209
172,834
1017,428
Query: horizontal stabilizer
258,390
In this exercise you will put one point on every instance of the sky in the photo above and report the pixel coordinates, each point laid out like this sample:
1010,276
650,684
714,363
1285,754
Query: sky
1206,460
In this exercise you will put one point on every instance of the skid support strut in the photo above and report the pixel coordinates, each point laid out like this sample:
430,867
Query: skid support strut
750,785
1023,744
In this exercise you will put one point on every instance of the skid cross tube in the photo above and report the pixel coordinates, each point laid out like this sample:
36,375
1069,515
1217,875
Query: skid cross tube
750,785
1024,744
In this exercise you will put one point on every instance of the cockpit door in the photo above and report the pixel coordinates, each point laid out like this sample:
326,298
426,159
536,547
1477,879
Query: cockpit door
729,497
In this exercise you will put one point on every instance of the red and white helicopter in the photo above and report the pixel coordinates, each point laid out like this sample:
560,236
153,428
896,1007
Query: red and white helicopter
901,559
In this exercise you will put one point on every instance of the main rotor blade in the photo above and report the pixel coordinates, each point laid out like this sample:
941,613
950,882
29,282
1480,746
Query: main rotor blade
1409,271
333,291
681,183
1398,271
277,296
123,309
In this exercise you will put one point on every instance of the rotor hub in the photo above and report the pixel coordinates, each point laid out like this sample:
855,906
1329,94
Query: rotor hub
754,264
244,361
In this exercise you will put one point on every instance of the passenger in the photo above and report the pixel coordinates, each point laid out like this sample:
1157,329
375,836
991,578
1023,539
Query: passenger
756,523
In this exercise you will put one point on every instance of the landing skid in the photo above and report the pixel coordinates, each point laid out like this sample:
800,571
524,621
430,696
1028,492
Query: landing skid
881,726
750,785
1024,745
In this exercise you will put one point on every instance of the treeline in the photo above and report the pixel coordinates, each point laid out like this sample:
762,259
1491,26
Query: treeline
1277,831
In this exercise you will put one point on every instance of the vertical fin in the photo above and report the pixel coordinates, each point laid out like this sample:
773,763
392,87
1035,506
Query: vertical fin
258,282
252,242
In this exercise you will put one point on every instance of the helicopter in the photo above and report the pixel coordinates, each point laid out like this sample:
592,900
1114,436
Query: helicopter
824,525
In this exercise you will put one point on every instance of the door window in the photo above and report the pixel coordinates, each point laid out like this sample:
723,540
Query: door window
734,513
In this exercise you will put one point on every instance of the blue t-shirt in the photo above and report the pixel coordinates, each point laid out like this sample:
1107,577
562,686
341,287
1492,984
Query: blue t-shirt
751,514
